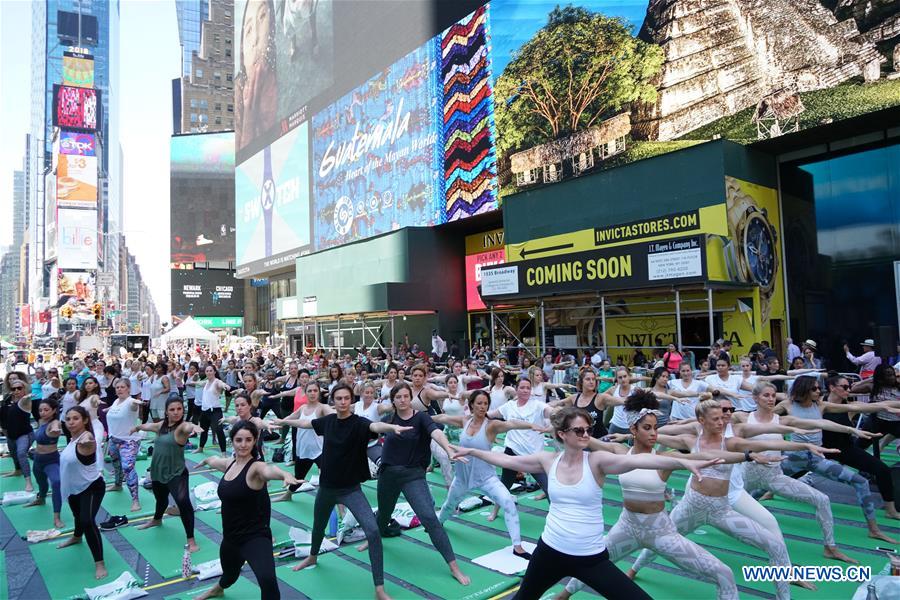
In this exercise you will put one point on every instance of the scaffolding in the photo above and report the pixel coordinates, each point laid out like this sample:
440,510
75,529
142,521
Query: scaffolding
338,332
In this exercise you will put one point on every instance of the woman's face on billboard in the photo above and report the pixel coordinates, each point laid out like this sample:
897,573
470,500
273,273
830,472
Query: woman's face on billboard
254,37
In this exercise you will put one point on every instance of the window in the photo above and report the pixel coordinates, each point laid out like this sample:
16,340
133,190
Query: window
204,118
228,76
193,117
228,53
231,108
218,120
217,75
227,41
527,177
193,103
218,106
198,73
204,104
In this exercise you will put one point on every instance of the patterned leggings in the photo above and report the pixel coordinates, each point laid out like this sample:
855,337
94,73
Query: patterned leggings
443,460
494,490
764,477
123,454
697,509
807,461
657,532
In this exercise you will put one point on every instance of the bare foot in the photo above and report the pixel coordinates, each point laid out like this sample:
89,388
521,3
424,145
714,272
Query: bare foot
69,542
380,594
11,473
192,545
833,552
541,496
99,570
57,522
285,497
198,451
877,534
173,511
766,496
458,575
892,514
563,595
28,486
806,585
36,502
362,547
114,488
494,512
149,524
631,573
309,561
135,506
213,592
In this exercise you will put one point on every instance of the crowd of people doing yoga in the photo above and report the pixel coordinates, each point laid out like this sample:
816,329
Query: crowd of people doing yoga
743,437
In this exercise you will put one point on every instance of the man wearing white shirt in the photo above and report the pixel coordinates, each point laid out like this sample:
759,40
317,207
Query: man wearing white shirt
867,361
792,351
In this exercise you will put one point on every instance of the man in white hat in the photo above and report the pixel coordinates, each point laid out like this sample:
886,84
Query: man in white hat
810,360
867,361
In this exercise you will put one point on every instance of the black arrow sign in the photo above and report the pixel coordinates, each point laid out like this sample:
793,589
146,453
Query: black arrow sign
523,252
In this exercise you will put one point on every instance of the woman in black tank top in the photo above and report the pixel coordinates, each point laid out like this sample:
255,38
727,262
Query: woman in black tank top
246,513
589,400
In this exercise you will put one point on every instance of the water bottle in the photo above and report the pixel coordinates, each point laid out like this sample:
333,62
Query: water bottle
186,566
871,595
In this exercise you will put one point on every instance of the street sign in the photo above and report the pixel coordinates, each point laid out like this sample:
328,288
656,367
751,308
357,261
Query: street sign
106,279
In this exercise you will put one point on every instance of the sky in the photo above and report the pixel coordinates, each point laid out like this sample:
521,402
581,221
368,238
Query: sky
150,59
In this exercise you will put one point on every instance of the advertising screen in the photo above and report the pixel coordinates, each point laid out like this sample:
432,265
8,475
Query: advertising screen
76,290
375,155
78,69
76,181
207,292
474,264
272,204
82,144
77,239
76,107
202,198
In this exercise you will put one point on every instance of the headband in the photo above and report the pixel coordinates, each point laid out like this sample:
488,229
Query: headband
634,416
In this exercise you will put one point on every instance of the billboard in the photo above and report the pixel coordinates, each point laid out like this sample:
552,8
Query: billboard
76,181
76,291
474,264
375,154
81,144
206,292
78,69
202,224
272,204
77,239
76,108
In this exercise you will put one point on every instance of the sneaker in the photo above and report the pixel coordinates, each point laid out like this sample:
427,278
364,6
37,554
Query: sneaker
113,522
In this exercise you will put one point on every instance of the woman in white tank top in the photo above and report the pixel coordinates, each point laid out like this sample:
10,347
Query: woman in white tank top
573,543
500,394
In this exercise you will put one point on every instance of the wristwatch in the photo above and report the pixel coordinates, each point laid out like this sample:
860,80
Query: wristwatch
267,198
753,244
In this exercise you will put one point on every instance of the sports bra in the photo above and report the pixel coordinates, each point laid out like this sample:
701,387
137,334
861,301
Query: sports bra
41,437
767,437
642,484
721,471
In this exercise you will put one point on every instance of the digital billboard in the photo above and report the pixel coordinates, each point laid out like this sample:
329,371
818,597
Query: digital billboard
207,292
77,239
76,107
202,198
272,204
76,290
82,144
78,69
76,181
375,154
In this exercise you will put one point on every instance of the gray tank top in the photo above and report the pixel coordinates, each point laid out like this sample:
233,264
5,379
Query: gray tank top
807,412
475,471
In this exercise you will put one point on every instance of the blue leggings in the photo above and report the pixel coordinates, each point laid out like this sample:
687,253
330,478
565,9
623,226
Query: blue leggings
807,461
46,472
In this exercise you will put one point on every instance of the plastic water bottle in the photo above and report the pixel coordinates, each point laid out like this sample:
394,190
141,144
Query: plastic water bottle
333,523
870,592
187,567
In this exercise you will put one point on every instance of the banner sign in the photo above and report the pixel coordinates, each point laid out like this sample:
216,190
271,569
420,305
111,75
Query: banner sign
77,239
645,264
76,181
474,265
215,322
78,69
76,108
77,143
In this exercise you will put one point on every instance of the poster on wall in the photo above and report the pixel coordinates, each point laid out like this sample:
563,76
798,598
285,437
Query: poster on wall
77,239
76,107
76,293
375,154
272,204
639,89
76,181
474,264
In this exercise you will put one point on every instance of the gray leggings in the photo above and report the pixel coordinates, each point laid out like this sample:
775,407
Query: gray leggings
20,453
411,481
355,501
807,461
771,478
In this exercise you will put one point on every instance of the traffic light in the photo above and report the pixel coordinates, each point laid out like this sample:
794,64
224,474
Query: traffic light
66,312
97,309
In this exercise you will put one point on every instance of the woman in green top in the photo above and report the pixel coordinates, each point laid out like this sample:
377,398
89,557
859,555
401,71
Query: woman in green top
168,473
606,377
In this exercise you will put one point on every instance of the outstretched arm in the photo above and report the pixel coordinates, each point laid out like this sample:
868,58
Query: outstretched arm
528,463
451,420
219,463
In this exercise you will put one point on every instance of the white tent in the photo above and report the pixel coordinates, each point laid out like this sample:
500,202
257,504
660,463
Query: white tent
189,329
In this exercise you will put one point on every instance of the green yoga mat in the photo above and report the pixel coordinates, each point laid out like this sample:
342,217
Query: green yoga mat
68,571
243,588
163,546
280,530
4,586
119,503
36,517
335,577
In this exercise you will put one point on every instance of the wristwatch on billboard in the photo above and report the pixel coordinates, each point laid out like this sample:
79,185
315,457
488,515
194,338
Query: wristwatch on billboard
267,198
754,241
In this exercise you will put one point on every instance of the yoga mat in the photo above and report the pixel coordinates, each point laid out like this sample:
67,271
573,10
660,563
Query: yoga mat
68,571
163,546
119,503
4,586
242,588
37,517
336,577
214,519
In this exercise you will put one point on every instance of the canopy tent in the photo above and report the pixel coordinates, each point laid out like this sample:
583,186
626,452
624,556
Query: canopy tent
189,329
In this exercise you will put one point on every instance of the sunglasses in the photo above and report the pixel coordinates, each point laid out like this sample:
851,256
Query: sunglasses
580,431
844,386
729,409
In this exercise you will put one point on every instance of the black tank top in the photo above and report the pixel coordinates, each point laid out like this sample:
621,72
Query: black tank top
598,430
245,512
833,439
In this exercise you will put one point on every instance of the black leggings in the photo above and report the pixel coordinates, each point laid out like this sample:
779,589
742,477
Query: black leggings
194,411
179,490
548,566
873,424
301,469
861,460
355,501
210,418
508,477
84,508
258,552
267,404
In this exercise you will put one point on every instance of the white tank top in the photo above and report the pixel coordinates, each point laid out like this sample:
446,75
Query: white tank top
386,390
121,418
575,519
68,401
370,413
498,398
309,445
767,437
75,477
618,418
211,397
47,390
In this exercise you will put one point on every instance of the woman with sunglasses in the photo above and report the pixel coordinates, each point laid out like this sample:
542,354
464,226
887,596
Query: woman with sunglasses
573,542
46,458
480,432
19,433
